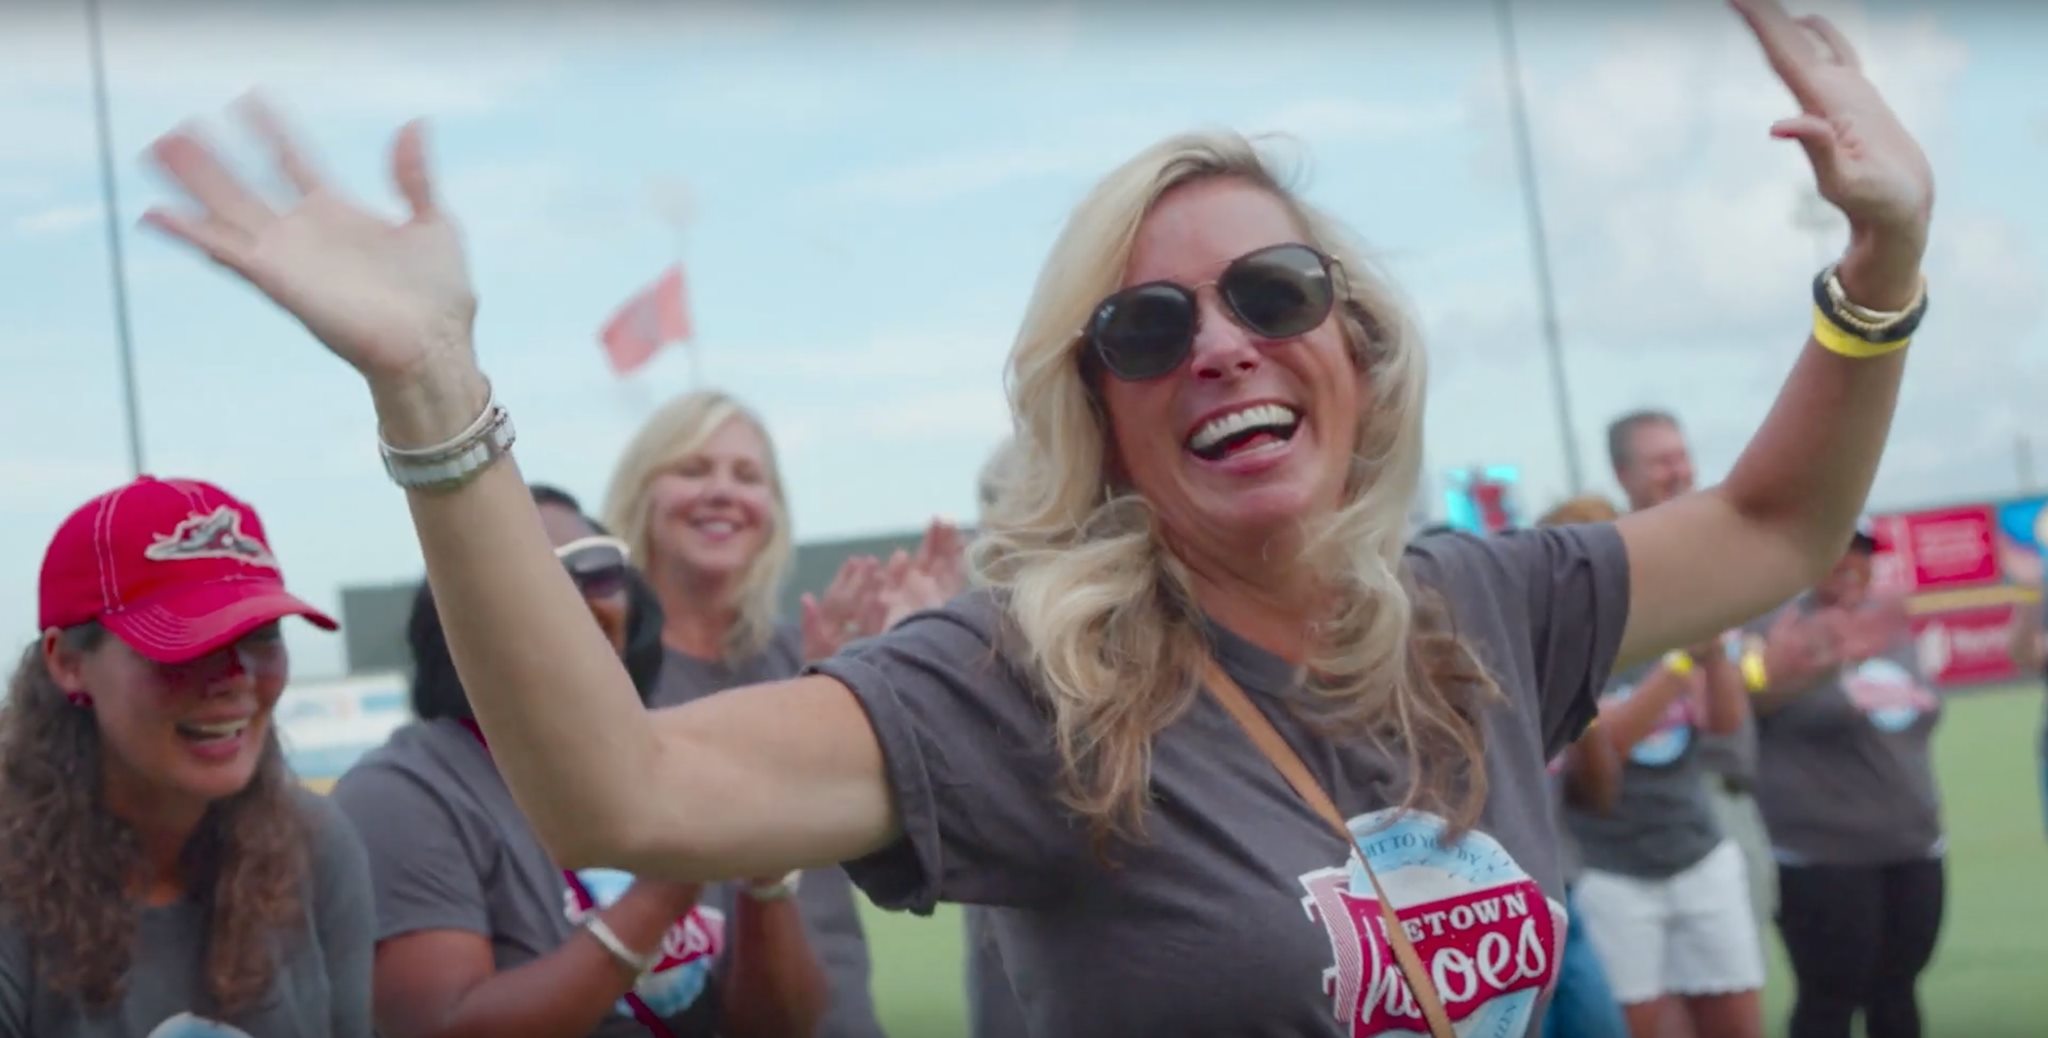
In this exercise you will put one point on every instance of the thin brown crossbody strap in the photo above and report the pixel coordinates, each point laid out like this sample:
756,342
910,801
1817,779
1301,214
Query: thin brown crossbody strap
1291,768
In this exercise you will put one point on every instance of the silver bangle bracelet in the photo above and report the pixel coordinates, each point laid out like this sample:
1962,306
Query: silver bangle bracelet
639,964
453,445
457,460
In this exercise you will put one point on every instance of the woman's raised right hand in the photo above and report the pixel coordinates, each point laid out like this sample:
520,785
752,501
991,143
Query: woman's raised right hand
394,300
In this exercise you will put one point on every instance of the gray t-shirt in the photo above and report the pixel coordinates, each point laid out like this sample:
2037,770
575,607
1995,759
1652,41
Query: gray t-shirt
322,986
1569,862
1844,777
825,897
1241,914
1662,822
1730,758
450,850
992,1009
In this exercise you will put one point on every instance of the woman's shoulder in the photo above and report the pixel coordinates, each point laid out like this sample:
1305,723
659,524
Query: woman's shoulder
418,768
1455,559
966,647
974,624
1523,576
330,834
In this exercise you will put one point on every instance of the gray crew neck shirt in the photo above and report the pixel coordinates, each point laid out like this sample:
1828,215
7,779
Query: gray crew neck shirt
321,988
1663,822
1241,913
450,850
1845,775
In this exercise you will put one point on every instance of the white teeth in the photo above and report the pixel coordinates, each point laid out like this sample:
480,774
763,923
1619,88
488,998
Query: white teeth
717,527
1222,427
218,729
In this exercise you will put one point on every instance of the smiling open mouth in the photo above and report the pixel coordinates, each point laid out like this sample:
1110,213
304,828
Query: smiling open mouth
213,732
1241,431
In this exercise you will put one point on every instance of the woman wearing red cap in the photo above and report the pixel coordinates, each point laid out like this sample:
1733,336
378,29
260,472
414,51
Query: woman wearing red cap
161,872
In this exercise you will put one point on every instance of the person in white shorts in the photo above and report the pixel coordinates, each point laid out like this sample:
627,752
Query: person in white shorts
1665,894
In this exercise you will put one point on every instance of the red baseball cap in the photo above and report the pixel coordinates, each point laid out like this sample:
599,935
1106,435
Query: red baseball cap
174,567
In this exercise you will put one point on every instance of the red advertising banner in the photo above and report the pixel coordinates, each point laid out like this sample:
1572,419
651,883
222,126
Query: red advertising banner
1967,646
1948,548
1964,568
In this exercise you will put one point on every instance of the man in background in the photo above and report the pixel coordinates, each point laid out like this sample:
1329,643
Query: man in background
1653,464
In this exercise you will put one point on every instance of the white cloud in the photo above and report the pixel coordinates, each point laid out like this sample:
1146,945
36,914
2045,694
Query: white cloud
1089,147
1330,119
941,176
57,219
946,413
1046,30
165,65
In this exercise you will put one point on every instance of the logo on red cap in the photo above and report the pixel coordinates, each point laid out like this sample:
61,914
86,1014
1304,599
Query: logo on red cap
214,535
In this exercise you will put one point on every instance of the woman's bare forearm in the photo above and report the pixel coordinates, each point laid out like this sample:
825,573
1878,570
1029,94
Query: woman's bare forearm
566,727
1807,472
776,989
1726,697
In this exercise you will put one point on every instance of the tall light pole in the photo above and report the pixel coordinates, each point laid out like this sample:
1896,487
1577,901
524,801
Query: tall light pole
677,206
116,261
1539,244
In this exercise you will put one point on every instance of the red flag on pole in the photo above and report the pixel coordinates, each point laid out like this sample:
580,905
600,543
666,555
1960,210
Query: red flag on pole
654,317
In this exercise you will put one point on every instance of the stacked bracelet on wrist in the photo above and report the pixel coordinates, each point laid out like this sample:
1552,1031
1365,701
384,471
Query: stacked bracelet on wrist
456,461
1859,332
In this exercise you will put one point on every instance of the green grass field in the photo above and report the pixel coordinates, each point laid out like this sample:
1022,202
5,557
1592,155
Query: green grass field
1990,973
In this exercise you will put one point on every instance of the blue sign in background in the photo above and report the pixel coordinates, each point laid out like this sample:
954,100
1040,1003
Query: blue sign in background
2023,521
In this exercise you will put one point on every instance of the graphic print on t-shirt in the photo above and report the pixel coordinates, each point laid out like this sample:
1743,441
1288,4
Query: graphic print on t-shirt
185,1025
1888,694
688,949
1485,933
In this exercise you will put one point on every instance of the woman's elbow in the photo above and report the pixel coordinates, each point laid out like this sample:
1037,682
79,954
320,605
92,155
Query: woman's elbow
617,838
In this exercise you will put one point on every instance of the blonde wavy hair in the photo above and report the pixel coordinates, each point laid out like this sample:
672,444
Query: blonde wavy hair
679,429
1106,614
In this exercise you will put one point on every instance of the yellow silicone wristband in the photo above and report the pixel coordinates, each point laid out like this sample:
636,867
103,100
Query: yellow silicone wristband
1838,340
1753,674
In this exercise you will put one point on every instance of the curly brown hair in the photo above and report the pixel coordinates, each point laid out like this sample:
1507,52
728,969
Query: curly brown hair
66,863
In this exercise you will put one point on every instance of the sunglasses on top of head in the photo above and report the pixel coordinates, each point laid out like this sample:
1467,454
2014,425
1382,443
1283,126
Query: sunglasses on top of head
597,564
1148,330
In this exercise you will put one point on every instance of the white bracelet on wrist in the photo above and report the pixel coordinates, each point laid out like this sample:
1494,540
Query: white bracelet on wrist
777,891
639,964
457,460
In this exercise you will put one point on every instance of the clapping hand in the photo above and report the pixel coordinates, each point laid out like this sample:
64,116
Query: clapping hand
942,558
850,608
1800,648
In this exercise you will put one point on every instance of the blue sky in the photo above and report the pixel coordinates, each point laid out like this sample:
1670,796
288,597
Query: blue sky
871,195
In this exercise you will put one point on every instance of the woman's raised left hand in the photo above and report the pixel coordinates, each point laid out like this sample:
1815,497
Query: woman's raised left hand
1864,160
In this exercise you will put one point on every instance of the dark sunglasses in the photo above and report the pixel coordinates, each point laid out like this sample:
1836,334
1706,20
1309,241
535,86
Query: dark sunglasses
1277,292
596,564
